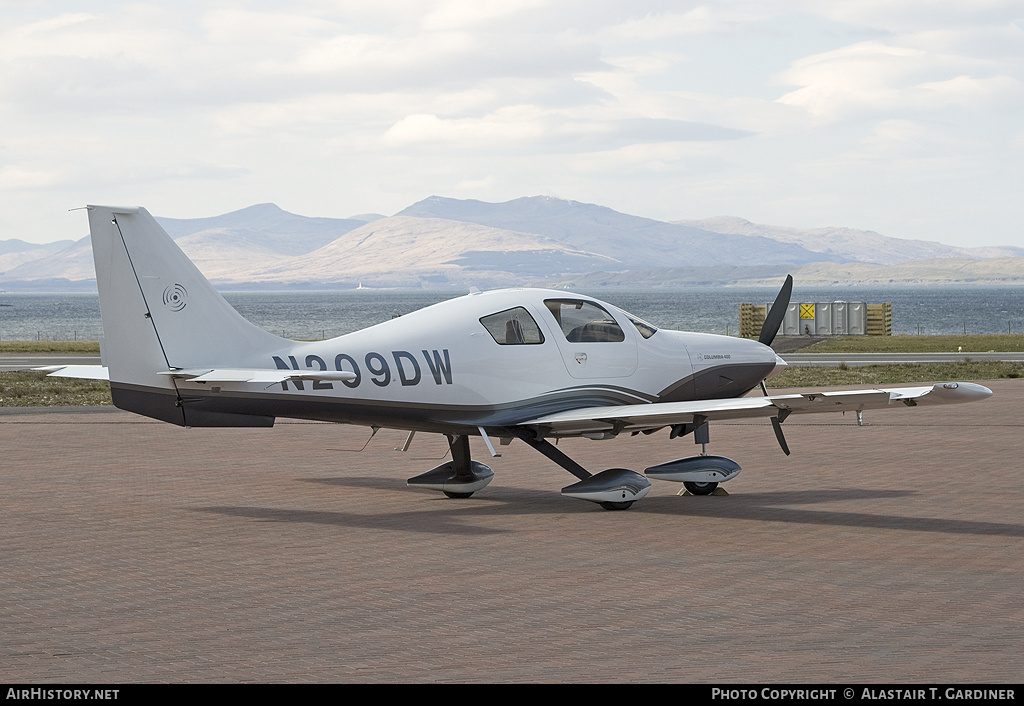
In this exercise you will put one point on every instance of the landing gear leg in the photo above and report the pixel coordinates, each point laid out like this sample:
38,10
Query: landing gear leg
462,463
614,489
460,477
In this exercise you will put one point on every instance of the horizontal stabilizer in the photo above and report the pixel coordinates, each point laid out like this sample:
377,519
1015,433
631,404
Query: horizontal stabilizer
270,377
84,372
259,376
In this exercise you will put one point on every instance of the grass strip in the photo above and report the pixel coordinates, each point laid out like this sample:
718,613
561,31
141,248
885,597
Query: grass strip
31,389
909,373
974,343
50,347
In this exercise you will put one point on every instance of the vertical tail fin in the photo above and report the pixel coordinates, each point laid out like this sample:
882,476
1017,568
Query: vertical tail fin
160,313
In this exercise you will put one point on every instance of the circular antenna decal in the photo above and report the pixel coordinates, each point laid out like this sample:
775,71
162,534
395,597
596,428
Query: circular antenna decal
175,297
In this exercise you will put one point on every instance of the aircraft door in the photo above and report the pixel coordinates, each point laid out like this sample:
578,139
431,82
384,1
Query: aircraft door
592,342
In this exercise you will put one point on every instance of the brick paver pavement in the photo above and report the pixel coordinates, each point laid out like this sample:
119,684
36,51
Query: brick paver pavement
137,551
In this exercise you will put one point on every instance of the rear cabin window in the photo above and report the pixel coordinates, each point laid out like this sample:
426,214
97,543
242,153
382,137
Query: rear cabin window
584,322
513,327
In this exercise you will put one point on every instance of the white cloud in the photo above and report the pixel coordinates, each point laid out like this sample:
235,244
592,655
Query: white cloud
699,20
465,14
656,107
900,16
15,177
512,125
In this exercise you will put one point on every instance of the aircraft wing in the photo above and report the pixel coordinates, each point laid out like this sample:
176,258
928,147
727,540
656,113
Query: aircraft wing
642,417
99,372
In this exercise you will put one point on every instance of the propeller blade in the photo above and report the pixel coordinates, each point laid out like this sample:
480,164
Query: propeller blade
777,426
773,320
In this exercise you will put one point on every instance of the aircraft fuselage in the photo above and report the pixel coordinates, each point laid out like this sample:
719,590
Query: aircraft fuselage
490,359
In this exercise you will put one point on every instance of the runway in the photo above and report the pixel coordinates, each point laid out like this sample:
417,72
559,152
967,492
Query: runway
855,360
135,551
12,362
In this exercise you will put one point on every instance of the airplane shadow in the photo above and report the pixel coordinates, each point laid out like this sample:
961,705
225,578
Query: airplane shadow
375,482
456,516
421,522
777,507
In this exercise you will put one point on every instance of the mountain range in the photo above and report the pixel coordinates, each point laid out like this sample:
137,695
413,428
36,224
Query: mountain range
443,242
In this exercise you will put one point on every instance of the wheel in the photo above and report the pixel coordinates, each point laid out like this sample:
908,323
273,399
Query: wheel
616,506
458,496
700,488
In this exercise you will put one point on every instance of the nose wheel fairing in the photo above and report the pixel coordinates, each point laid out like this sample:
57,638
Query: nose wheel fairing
614,486
696,469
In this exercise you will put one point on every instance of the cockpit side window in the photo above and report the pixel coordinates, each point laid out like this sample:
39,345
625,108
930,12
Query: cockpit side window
513,327
646,330
584,322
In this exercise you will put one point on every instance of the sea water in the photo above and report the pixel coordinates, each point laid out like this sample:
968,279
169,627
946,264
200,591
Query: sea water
316,315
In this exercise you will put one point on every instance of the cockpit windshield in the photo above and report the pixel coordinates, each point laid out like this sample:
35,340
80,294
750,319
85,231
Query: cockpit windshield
644,328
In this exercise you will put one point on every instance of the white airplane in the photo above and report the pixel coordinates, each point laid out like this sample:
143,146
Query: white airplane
527,364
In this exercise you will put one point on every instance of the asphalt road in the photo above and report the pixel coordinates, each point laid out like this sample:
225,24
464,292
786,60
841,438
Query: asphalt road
11,362
136,551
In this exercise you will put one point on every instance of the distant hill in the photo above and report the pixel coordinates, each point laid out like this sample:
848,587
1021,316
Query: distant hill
220,246
851,245
631,240
72,262
264,226
442,242
941,271
413,252
14,252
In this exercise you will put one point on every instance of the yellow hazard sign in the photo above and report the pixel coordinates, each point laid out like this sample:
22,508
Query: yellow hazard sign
807,311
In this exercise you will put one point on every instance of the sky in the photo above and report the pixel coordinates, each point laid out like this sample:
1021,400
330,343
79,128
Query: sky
904,117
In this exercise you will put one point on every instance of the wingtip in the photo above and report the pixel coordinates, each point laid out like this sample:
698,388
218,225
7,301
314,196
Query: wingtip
961,391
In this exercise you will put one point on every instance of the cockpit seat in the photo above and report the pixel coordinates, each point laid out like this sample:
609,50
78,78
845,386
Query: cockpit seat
596,332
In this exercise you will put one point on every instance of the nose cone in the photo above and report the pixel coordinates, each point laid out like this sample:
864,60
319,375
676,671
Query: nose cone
725,366
761,354
765,356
